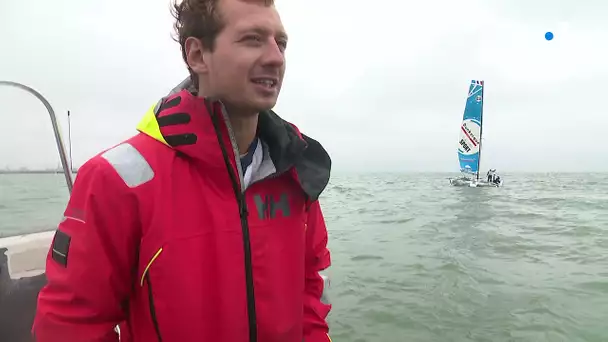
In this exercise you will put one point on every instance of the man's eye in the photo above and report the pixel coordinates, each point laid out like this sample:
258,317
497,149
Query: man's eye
253,38
282,44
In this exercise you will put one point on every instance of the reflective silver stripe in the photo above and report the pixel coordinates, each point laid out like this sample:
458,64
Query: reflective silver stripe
130,165
326,285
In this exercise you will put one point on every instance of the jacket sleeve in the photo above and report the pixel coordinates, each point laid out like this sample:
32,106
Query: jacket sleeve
316,305
91,260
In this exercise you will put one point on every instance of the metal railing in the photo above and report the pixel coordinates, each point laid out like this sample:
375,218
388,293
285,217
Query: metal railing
60,146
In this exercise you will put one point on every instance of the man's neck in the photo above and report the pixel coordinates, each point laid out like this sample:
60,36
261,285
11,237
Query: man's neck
244,129
244,125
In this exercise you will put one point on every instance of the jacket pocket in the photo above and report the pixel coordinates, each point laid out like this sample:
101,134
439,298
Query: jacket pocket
186,279
145,278
153,308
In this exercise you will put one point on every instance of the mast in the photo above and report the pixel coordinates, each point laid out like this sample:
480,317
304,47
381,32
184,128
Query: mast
70,141
483,99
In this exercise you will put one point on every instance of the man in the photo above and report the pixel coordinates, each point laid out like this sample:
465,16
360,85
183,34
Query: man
490,175
495,177
205,226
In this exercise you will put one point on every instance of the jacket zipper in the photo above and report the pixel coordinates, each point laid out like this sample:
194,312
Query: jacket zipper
152,308
243,213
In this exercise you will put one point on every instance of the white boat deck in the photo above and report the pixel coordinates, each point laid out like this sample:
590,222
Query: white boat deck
22,266
26,253
26,256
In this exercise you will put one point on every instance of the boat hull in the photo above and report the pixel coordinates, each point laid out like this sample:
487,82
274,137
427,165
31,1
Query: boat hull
473,183
22,264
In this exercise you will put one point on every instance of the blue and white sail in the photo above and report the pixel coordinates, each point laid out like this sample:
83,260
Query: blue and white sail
469,143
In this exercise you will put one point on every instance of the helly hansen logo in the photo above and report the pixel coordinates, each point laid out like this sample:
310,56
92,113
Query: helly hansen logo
268,206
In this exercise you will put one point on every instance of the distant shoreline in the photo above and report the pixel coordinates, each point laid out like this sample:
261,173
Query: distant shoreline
25,172
343,172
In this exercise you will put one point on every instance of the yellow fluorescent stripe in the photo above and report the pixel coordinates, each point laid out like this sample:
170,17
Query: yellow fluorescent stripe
148,266
149,126
329,338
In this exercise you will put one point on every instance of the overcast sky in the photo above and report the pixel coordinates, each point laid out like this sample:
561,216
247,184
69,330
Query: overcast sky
381,86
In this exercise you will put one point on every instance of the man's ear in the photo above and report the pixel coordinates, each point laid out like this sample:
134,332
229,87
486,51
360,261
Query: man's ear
195,55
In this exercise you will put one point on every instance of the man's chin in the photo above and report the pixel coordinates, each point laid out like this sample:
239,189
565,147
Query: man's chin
249,107
261,105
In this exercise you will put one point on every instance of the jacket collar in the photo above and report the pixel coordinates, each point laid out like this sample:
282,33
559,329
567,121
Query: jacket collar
197,128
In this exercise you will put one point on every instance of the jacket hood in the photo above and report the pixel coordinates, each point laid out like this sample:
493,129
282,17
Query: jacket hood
198,127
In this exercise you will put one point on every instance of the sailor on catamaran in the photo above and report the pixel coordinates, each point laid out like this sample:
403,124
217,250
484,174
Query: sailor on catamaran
493,177
490,175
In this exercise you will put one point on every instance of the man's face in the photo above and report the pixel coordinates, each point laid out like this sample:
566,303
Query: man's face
246,67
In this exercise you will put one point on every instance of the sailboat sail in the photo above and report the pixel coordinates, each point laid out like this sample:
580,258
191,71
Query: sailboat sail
469,144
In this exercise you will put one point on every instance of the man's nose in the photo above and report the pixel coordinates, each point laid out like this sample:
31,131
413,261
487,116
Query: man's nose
274,54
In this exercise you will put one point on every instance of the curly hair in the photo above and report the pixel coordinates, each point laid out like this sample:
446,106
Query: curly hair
200,19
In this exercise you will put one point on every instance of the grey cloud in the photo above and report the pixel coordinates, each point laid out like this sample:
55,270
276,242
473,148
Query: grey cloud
382,86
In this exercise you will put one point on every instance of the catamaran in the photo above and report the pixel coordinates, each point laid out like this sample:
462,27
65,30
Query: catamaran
469,141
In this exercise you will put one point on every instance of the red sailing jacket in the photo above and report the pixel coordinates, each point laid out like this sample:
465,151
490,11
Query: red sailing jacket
161,235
